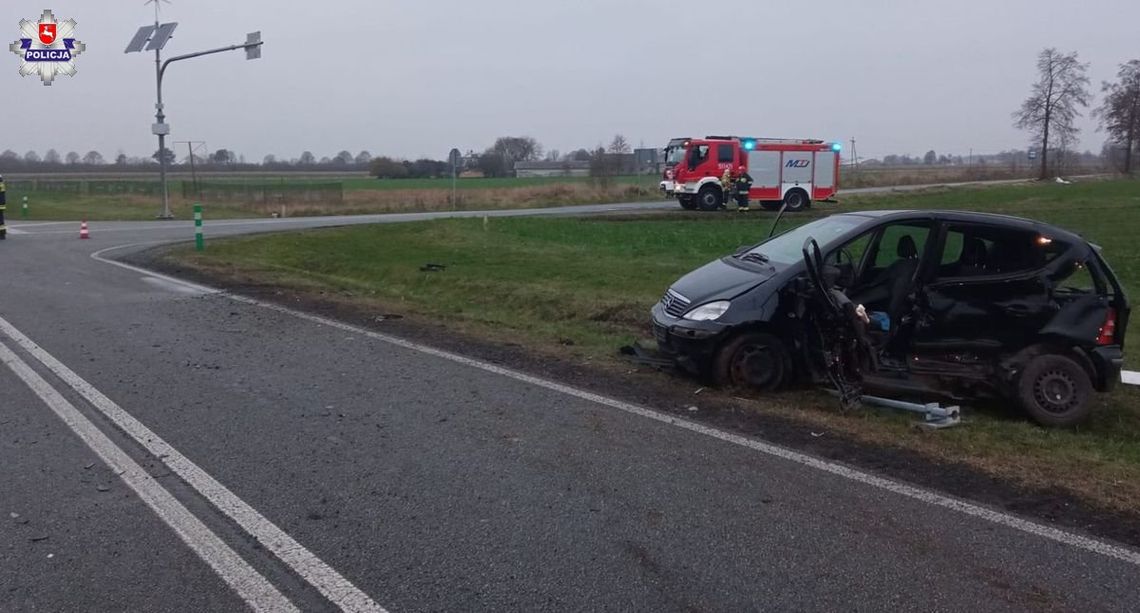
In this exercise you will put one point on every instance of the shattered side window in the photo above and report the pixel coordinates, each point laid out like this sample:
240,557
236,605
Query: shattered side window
1076,278
972,250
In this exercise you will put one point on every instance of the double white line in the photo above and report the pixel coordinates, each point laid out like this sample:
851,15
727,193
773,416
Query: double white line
249,584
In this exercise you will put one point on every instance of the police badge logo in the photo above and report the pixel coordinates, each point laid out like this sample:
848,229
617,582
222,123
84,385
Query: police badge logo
47,47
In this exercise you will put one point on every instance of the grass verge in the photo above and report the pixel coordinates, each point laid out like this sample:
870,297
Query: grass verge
582,287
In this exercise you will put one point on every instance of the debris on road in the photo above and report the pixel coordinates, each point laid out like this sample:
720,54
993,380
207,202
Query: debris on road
429,267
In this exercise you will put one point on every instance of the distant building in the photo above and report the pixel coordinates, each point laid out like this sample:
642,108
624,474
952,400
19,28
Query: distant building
566,168
649,161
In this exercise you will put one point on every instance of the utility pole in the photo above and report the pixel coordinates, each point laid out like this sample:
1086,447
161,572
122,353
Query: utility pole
190,147
854,154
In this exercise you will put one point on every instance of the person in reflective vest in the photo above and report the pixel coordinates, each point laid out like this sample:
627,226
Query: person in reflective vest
727,183
742,183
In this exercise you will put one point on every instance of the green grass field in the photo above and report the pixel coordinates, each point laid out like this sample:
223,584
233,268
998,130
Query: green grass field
583,287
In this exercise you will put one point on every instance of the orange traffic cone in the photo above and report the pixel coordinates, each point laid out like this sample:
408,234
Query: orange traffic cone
83,230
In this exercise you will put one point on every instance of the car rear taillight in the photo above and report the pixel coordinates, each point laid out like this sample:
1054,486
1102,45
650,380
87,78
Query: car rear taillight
1107,329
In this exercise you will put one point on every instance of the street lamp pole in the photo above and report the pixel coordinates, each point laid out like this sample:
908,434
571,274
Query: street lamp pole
161,129
157,35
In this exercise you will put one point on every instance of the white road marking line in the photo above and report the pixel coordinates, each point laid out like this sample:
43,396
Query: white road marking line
36,225
330,583
13,231
250,585
1130,377
932,498
194,287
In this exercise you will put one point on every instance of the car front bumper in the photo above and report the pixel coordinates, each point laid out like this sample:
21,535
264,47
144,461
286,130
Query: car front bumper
692,343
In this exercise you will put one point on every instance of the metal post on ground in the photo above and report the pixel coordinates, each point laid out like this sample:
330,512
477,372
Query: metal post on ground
199,240
3,206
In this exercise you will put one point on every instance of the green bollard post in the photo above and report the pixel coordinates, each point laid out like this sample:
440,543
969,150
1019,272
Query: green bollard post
199,241
24,209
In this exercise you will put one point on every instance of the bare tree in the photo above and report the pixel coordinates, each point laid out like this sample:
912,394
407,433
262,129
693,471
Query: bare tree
51,157
619,144
1120,113
1052,107
307,158
31,157
72,157
93,158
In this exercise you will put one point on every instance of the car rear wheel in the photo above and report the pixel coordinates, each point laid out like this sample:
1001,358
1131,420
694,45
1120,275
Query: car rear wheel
687,203
797,200
1056,391
753,360
709,198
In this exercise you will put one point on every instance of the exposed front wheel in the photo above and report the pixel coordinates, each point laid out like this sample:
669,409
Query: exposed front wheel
687,202
1055,391
753,360
797,200
710,198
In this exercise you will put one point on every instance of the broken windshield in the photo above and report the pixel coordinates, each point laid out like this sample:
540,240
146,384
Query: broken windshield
787,247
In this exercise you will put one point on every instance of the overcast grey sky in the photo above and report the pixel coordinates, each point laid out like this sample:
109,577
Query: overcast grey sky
413,78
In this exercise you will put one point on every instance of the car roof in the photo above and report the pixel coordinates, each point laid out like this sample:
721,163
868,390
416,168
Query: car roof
1008,221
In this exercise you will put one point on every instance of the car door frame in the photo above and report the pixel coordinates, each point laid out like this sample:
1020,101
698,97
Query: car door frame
931,282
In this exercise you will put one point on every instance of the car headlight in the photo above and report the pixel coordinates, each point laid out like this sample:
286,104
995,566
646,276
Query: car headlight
708,312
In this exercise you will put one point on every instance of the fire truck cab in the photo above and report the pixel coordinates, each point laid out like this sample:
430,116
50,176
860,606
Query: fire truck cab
674,153
784,171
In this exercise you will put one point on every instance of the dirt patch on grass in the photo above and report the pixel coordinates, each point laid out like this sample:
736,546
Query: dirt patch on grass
805,420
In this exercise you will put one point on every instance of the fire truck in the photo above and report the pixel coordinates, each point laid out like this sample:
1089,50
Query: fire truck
784,171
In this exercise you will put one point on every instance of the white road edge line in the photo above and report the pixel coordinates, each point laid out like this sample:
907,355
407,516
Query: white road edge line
250,585
1023,525
324,578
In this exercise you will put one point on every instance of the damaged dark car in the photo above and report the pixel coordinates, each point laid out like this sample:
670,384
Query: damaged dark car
916,304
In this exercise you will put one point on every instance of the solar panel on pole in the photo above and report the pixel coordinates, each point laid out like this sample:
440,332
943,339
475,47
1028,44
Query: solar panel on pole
140,39
162,36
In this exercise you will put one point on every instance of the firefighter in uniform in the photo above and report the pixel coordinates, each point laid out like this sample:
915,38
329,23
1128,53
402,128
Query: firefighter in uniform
727,184
741,184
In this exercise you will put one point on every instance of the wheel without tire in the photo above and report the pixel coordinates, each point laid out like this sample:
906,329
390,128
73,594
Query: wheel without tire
753,360
687,203
709,198
1055,391
797,200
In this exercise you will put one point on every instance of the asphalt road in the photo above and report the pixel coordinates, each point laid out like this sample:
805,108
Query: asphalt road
170,448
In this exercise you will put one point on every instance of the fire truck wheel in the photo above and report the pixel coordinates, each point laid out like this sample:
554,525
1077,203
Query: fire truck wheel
710,198
797,200
687,202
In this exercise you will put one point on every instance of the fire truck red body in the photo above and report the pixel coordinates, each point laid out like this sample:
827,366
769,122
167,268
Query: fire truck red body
788,171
